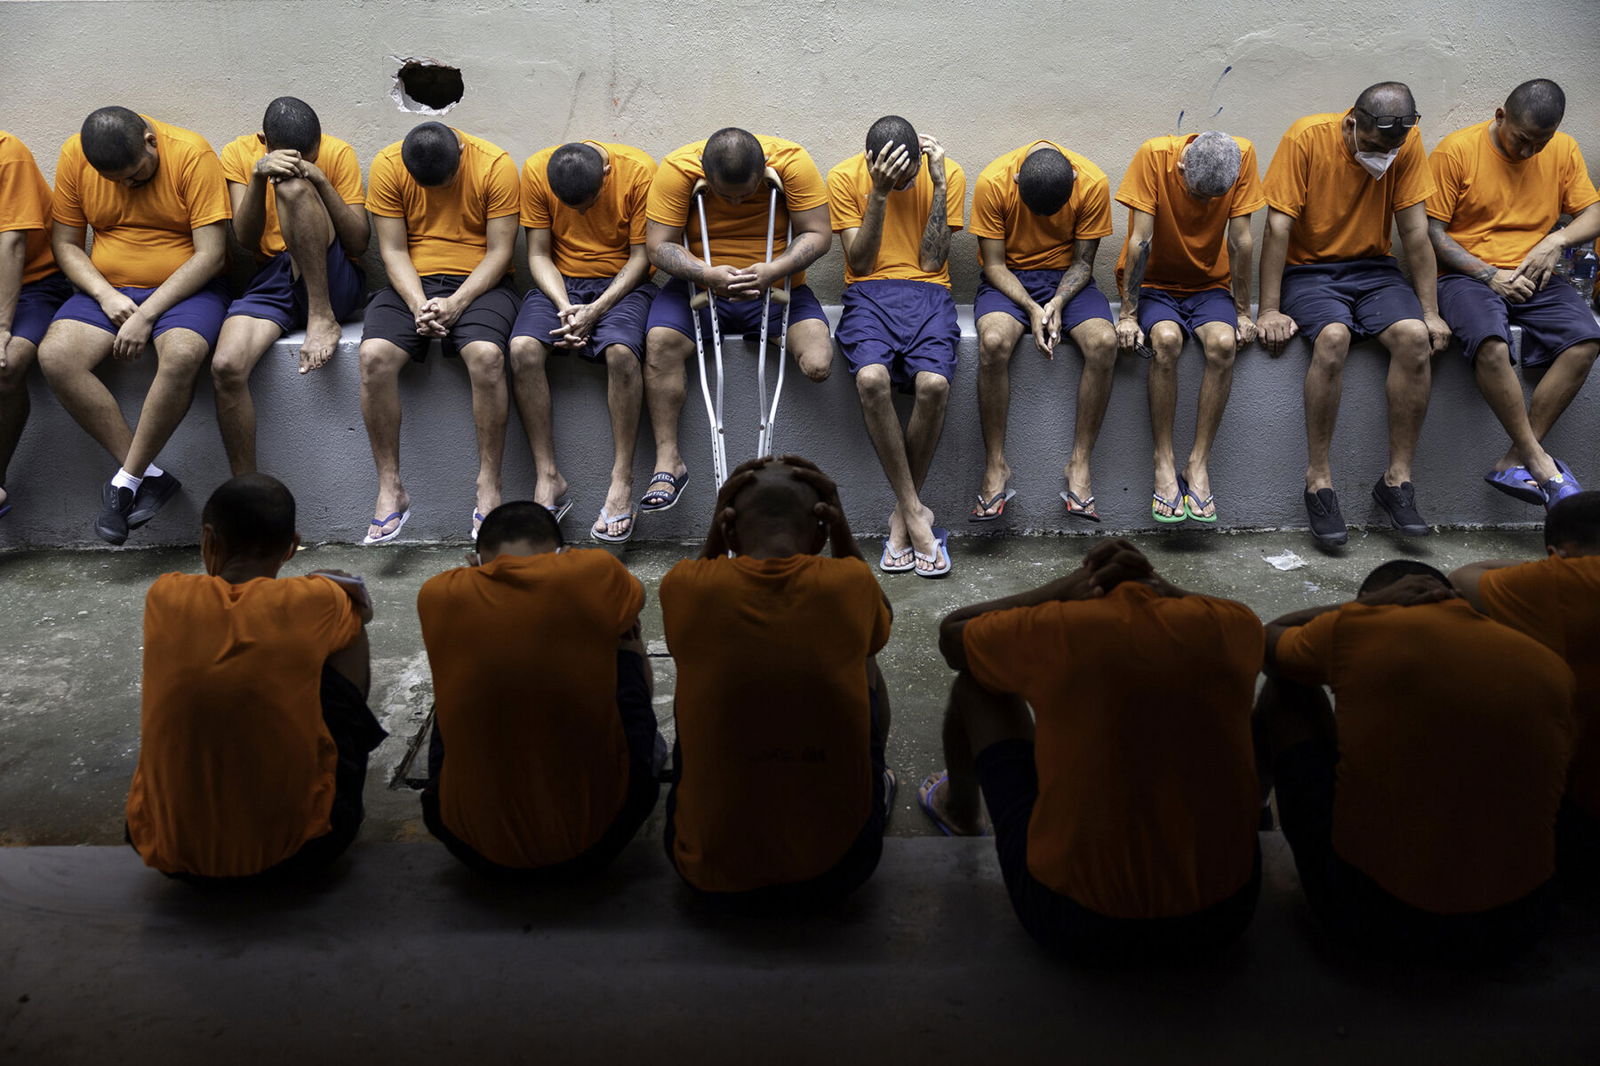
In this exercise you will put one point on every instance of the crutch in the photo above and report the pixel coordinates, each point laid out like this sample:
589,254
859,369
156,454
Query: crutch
768,415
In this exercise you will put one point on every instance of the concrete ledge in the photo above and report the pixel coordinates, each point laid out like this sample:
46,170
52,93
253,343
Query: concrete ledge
311,434
408,959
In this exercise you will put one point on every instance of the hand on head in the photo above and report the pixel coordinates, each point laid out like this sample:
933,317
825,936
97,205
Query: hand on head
1112,562
1409,591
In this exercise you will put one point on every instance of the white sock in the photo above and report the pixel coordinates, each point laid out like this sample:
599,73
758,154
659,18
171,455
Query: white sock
153,471
124,480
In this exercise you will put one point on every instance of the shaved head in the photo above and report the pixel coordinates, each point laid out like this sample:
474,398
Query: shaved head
733,157
113,139
1539,104
775,504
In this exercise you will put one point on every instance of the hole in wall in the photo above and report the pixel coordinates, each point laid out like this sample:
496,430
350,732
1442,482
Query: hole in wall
426,86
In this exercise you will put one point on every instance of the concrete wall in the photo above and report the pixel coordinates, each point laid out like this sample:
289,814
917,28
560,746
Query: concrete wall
1097,75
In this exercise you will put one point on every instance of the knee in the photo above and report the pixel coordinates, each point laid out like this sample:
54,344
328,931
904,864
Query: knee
527,355
1580,357
816,362
1167,340
292,192
994,349
933,389
666,350
229,373
1410,340
1220,354
1099,347
486,363
182,359
872,384
380,361
1329,350
621,363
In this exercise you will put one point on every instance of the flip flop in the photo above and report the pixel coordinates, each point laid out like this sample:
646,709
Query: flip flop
891,568
559,509
940,557
477,520
1175,505
605,520
1517,483
664,499
929,786
1193,511
1566,472
1077,508
998,500
382,538
1557,489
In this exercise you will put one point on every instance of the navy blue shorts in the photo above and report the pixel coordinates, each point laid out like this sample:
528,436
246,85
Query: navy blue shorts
624,324
1366,296
37,304
907,326
1190,310
671,310
1041,285
276,295
1009,778
1552,319
488,319
201,313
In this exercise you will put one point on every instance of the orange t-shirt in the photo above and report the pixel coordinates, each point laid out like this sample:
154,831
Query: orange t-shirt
524,658
1556,601
1450,765
905,218
236,766
738,231
1148,801
1189,248
1339,211
446,228
142,236
594,243
335,158
1498,208
773,716
1035,242
25,205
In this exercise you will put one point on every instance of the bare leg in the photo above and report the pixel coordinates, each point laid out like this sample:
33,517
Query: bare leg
14,402
307,232
1560,385
812,347
1323,385
486,369
1491,367
912,523
1097,340
531,387
381,362
180,355
1410,378
1166,339
68,355
974,719
240,346
1221,346
624,394
666,350
926,424
998,334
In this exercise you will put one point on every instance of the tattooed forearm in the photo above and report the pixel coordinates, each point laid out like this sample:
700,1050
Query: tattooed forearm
1080,273
676,260
1134,278
1455,257
935,248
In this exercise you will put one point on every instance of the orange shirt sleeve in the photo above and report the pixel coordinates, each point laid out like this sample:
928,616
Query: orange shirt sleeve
502,193
955,195
1305,653
668,203
204,190
622,589
1287,176
846,199
236,166
803,189
24,204
1094,217
1577,191
1447,170
988,210
1248,195
535,193
344,174
1413,182
67,204
383,188
999,652
1141,184
1526,598
636,203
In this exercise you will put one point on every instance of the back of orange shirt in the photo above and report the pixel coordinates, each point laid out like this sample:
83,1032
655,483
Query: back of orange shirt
738,231
1556,601
905,218
1189,249
1339,211
25,205
142,236
446,228
335,158
236,767
774,722
1039,242
524,658
593,243
1148,799
1498,208
1451,766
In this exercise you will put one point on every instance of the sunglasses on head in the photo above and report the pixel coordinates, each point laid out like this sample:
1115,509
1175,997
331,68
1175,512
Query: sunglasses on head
1389,122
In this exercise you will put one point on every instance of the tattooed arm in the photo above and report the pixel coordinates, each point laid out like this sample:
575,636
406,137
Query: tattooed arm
935,247
1508,283
1141,231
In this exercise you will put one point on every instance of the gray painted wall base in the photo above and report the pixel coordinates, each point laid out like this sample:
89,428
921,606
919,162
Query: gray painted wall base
311,435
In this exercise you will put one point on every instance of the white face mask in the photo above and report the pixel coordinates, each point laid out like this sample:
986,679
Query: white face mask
1377,163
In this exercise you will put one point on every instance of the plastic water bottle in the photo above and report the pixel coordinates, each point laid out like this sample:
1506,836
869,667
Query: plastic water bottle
1584,264
1563,269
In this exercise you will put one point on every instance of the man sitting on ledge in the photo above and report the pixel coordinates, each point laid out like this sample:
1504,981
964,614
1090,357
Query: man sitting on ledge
254,730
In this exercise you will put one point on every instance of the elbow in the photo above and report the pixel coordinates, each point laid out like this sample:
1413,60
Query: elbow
357,247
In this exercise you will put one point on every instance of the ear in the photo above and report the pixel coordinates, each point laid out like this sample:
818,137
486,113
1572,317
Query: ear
262,137
606,169
1499,114
210,549
294,546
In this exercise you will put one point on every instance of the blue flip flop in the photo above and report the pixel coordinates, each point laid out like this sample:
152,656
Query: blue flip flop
940,557
379,523
1517,483
559,509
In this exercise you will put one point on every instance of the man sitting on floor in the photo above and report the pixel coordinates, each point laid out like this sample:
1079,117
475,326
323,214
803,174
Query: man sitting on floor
780,793
898,329
544,756
297,204
1126,825
254,730
1556,601
154,196
1421,804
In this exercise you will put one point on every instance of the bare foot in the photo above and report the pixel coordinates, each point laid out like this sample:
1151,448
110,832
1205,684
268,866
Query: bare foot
918,528
387,511
618,508
546,490
322,340
1077,475
1199,479
994,480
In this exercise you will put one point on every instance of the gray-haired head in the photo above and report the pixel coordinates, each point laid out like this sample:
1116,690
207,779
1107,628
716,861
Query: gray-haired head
1211,164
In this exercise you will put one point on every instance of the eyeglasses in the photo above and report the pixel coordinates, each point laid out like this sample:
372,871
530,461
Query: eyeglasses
1389,122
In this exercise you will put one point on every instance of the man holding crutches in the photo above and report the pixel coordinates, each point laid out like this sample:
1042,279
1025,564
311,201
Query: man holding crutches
740,218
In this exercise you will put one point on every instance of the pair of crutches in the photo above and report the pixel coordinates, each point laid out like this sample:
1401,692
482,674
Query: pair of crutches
707,299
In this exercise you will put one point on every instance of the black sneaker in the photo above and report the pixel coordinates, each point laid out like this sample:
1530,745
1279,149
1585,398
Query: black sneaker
116,503
153,493
1327,524
1401,503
